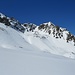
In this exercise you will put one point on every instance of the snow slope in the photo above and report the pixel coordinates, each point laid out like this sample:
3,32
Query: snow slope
39,41
48,43
11,39
34,53
13,62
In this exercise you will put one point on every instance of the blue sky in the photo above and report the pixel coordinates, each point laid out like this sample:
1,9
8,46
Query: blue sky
60,12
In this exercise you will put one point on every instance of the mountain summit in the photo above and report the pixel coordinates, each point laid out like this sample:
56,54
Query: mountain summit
46,37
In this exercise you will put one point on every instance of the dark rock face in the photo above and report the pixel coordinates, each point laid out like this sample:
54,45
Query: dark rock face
57,32
12,22
5,21
29,27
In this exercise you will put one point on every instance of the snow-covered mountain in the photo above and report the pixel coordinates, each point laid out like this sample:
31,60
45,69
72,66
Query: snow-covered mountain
46,37
28,49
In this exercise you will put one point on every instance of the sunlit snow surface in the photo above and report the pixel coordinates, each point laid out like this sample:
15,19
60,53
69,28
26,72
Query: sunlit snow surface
17,62
31,54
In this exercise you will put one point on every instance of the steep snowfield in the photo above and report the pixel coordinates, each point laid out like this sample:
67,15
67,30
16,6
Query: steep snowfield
11,39
48,43
37,41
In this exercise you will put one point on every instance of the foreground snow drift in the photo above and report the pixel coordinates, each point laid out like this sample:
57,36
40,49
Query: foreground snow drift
19,62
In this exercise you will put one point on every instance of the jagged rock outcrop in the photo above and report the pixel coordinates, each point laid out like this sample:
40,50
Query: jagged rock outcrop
56,31
12,22
29,26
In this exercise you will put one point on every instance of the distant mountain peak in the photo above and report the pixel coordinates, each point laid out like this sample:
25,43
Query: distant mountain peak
47,28
48,23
